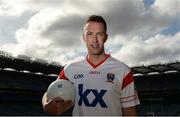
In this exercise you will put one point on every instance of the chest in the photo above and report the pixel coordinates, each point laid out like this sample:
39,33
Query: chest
99,79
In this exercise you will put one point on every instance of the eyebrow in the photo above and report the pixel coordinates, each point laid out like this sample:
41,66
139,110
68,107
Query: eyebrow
93,32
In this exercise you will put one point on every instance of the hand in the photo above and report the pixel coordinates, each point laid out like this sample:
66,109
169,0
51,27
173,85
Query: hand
57,106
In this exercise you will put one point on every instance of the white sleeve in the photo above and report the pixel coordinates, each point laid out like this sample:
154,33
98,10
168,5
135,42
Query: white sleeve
129,96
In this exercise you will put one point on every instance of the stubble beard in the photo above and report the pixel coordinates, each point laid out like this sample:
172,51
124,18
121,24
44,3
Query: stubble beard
96,52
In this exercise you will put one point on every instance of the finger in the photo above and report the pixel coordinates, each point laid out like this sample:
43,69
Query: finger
60,105
65,105
56,100
68,104
59,101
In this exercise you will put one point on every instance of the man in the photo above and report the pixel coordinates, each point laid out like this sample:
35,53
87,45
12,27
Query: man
106,85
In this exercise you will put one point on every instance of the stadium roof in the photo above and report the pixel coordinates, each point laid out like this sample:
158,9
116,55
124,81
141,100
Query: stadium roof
25,63
159,68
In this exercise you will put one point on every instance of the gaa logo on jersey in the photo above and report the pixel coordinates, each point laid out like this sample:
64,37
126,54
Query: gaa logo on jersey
77,76
110,78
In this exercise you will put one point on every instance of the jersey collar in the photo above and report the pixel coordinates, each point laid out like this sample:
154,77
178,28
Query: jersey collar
101,62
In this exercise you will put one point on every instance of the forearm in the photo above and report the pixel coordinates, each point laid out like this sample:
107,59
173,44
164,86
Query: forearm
130,111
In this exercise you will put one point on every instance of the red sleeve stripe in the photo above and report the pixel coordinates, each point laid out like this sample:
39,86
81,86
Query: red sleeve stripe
129,100
127,80
62,75
134,97
128,97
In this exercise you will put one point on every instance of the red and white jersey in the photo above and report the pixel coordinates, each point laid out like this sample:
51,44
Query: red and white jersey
102,89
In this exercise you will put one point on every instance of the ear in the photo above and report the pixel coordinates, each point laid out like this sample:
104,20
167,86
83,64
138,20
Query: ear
106,37
83,37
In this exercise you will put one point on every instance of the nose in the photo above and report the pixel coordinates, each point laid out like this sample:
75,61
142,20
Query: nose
95,38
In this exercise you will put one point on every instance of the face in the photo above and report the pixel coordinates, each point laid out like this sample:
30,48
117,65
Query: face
94,36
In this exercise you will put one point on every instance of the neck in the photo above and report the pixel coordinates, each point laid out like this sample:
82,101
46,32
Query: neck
95,59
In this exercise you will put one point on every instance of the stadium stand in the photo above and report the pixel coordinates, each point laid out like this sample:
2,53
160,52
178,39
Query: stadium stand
23,81
159,93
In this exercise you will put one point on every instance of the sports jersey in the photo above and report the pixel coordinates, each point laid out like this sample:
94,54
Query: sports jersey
102,89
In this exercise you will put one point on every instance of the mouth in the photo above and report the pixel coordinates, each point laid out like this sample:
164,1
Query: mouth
95,46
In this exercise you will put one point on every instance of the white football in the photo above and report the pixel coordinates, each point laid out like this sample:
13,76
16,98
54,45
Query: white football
61,88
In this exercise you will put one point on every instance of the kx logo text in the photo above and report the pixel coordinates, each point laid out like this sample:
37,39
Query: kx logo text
98,97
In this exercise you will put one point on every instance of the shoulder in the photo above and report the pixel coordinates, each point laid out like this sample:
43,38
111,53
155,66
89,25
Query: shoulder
73,68
74,64
120,66
118,63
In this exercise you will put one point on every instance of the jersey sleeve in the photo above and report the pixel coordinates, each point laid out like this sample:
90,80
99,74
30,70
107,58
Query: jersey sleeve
62,75
129,96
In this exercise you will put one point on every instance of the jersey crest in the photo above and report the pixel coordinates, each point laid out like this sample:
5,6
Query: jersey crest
110,77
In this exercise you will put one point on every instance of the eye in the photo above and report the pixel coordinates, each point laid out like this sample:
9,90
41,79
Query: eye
89,33
100,34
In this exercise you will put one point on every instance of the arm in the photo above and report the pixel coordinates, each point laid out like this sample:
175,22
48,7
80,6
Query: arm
130,111
57,106
129,95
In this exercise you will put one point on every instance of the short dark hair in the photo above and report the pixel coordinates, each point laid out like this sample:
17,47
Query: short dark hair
97,18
